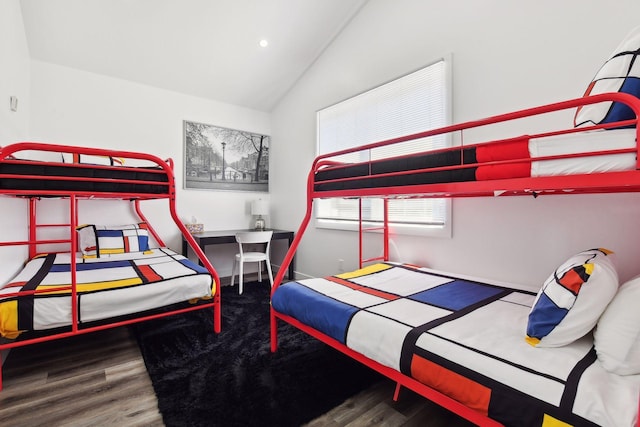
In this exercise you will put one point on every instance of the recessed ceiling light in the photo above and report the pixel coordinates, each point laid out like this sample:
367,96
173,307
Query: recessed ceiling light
263,43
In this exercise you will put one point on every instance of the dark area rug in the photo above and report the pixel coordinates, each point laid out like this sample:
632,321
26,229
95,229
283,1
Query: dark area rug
232,378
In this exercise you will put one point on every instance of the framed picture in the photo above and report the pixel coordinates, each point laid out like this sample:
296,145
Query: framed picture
217,158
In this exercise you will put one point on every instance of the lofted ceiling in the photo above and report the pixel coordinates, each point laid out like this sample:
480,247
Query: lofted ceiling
205,48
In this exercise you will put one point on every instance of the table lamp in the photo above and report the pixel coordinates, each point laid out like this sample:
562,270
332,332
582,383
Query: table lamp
259,207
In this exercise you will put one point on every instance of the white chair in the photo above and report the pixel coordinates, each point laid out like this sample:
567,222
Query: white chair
252,237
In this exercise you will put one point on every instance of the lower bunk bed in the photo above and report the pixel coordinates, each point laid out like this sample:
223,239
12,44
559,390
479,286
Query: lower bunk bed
105,288
566,354
462,342
84,277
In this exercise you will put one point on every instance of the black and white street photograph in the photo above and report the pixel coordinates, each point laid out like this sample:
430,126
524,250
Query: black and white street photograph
218,158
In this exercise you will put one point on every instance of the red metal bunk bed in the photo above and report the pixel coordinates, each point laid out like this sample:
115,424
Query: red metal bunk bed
363,296
116,277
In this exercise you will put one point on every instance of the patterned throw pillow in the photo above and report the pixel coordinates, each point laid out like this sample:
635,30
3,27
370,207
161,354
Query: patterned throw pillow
617,335
572,299
97,241
620,73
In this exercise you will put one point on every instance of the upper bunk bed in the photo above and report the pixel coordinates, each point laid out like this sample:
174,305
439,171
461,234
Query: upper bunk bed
81,276
592,158
459,340
83,172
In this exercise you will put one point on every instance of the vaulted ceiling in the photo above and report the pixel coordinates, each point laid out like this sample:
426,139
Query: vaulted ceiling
205,48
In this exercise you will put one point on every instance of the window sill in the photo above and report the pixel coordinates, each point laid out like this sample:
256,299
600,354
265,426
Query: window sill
444,231
395,229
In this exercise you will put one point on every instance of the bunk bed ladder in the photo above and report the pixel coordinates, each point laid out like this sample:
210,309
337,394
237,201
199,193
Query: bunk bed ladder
385,234
33,241
34,226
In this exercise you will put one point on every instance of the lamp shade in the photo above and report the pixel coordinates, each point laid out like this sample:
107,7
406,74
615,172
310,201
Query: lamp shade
259,207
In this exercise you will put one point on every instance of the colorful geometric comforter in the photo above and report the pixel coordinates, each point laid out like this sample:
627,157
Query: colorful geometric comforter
464,338
106,287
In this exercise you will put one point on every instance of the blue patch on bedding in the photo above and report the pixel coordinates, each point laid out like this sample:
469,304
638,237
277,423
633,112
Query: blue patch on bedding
544,317
456,295
192,265
621,111
63,268
314,309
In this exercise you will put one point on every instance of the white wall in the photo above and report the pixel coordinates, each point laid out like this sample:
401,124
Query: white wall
506,55
14,73
14,125
74,107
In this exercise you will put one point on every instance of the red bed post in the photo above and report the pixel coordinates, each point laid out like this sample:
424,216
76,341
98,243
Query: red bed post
289,256
386,229
217,315
32,227
74,290
143,218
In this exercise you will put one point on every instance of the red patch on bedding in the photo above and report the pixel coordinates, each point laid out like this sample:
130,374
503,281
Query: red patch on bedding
504,171
149,274
456,386
514,149
364,289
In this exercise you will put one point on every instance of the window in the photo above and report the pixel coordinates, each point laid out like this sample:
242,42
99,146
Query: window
410,104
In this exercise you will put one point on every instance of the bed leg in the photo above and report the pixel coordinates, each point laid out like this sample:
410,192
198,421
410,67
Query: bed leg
217,318
274,333
396,393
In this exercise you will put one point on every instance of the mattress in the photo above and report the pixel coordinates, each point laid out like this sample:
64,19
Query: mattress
515,158
119,285
466,338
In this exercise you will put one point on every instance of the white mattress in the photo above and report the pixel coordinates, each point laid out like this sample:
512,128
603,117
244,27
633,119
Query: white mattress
584,142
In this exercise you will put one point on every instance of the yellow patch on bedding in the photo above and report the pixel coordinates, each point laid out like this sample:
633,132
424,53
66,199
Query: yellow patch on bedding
374,268
549,421
95,286
9,319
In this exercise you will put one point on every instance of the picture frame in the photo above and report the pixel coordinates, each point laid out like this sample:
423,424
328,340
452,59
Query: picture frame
225,159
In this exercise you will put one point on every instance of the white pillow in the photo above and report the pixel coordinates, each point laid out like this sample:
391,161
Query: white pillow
572,299
617,335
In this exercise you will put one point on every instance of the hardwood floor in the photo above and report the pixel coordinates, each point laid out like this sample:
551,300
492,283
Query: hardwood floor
99,379
96,379
375,407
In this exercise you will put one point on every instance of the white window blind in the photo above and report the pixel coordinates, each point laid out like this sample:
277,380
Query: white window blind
410,104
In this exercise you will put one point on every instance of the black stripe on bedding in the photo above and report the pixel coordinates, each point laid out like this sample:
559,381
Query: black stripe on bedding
409,344
26,303
437,177
426,161
142,277
571,387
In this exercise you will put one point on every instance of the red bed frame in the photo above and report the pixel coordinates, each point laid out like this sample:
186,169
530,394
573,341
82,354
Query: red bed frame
154,182
604,182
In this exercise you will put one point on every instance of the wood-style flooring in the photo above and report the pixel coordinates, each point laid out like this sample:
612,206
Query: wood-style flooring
99,379
95,379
